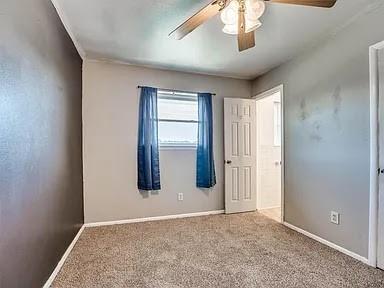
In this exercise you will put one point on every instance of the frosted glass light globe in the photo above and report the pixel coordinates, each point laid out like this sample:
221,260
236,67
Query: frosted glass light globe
249,27
254,9
230,14
230,29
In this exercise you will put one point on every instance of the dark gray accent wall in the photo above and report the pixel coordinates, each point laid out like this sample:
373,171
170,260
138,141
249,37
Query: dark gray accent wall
41,198
327,132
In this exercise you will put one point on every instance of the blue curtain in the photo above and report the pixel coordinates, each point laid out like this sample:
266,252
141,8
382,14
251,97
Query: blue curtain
148,146
205,166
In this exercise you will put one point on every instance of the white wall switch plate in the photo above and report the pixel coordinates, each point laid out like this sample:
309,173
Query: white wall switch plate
335,217
180,197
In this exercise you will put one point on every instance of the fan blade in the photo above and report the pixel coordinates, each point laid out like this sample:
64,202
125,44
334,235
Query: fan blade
244,40
199,18
315,3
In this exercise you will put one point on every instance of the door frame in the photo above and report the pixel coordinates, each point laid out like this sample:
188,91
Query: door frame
374,152
279,88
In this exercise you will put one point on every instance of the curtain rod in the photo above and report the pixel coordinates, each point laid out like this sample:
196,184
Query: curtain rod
173,90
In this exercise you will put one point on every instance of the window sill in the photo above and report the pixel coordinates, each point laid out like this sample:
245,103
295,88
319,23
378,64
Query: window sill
177,147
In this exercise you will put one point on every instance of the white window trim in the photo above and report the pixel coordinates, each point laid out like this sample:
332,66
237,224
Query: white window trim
177,146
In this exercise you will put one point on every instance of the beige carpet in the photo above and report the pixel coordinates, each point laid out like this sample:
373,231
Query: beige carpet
243,250
273,213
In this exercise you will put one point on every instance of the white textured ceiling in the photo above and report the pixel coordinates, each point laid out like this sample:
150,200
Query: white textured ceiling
136,32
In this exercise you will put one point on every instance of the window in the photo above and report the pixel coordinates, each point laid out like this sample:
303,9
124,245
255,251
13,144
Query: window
277,123
178,118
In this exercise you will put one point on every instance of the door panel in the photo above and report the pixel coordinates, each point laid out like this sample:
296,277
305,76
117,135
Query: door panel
240,155
235,184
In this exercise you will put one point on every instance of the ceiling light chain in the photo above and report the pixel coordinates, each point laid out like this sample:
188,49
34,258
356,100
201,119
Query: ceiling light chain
241,5
221,3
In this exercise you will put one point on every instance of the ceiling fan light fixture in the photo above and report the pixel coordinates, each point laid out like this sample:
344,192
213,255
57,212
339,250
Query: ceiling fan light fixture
254,9
240,17
249,27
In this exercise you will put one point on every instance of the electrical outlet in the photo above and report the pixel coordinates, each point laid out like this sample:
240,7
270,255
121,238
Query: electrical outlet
180,196
335,217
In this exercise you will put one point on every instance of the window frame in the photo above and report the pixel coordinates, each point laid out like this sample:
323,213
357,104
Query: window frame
182,96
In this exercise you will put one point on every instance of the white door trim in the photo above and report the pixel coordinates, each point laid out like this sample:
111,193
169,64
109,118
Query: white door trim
374,152
279,88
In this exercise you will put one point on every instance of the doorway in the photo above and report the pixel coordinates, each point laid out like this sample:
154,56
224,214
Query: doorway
269,152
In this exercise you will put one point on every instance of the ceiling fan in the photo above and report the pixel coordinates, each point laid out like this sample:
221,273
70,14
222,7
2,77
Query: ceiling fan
241,17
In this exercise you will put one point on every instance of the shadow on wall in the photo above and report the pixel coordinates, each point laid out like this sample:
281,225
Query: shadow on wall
311,116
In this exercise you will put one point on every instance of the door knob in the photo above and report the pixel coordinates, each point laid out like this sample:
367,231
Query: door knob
228,162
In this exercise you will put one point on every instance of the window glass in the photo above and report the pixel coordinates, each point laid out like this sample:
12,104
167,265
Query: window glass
177,133
178,116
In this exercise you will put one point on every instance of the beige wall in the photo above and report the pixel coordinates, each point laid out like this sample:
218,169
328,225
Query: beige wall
110,112
268,172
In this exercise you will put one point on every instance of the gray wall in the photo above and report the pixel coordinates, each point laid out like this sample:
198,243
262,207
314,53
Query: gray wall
110,114
41,206
327,132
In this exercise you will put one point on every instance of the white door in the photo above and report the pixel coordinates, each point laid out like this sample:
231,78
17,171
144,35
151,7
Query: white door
240,155
380,244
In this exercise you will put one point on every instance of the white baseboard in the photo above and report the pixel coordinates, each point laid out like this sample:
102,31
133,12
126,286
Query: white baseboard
155,218
267,208
63,258
328,243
